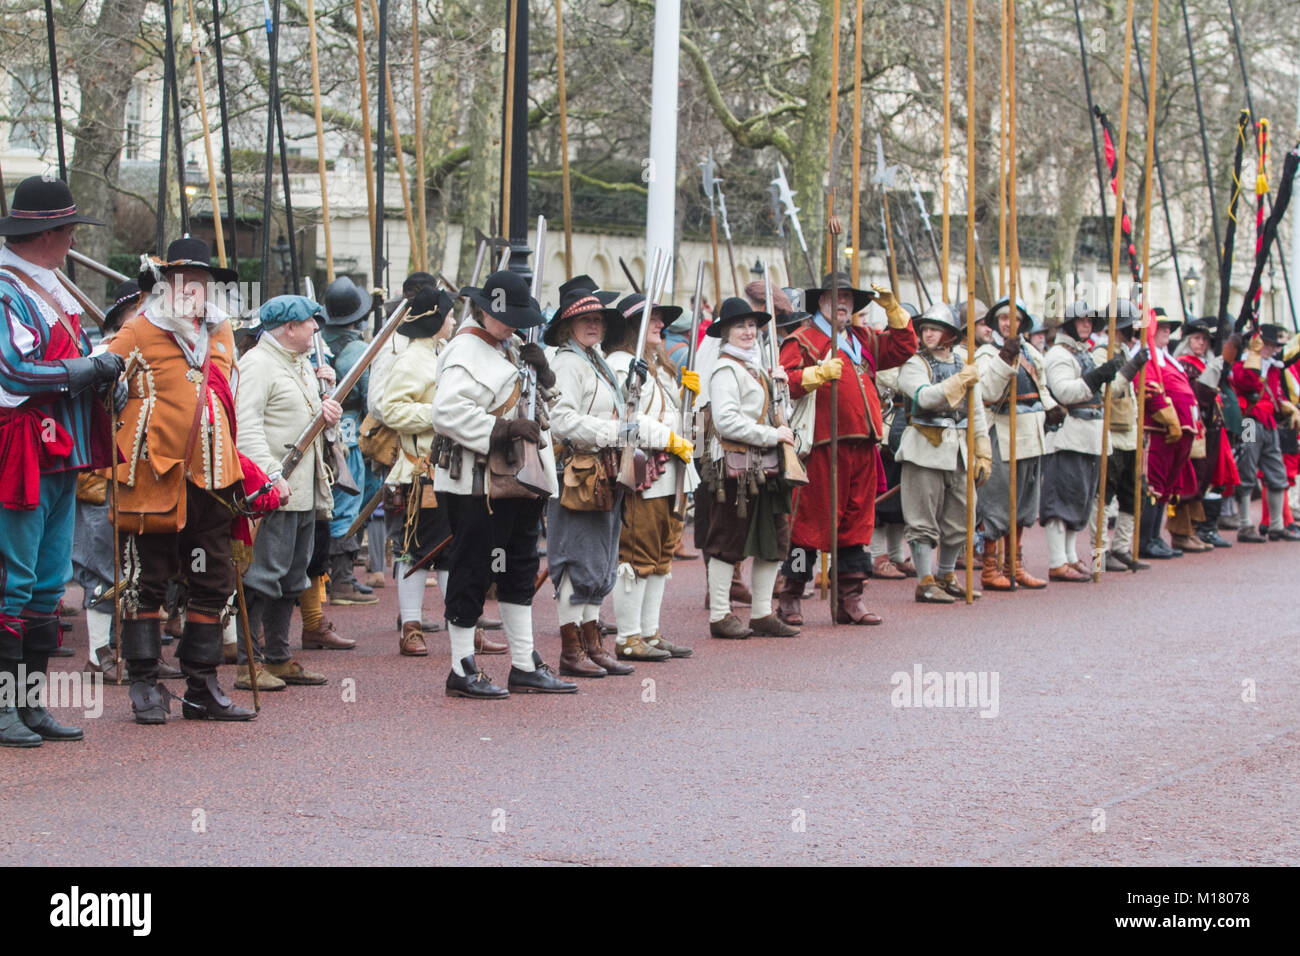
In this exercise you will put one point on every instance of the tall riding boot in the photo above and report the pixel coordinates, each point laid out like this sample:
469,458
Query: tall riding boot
13,732
853,603
141,644
1023,578
992,578
40,641
788,597
200,654
574,661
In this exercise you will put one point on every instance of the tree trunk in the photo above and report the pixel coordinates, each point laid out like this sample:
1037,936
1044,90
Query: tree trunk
813,150
103,56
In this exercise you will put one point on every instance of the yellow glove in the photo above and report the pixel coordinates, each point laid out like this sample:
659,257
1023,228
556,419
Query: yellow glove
954,387
679,446
1255,354
815,376
1169,419
691,380
983,459
894,312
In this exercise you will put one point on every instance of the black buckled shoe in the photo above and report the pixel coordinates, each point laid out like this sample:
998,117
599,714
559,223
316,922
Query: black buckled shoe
1285,534
150,701
1155,548
539,681
207,701
475,684
41,721
1211,536
14,732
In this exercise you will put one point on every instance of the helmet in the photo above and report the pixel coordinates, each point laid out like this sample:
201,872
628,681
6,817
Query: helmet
1026,320
941,315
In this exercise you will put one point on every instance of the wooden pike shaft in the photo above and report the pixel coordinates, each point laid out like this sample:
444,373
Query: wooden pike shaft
889,239
717,264
1002,158
207,137
970,298
366,134
834,128
397,145
320,139
565,187
946,172
1116,236
855,231
421,205
1147,192
1013,283
507,141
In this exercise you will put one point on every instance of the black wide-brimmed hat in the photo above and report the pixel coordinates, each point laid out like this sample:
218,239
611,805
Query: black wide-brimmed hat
1206,323
1025,323
344,303
506,298
125,296
732,311
861,297
786,319
581,296
1272,334
429,309
1164,318
40,204
630,308
184,253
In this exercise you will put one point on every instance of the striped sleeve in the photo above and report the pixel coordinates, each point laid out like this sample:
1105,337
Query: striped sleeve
22,371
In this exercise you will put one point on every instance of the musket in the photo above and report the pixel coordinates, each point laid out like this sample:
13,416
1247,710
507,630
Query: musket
791,210
94,266
479,258
343,476
83,300
366,511
309,434
428,559
707,167
628,272
726,231
791,467
627,470
687,426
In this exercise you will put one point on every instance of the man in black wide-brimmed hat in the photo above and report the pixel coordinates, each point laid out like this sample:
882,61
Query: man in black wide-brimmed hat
52,426
493,541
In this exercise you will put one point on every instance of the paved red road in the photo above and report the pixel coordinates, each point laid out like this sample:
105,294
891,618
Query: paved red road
1121,738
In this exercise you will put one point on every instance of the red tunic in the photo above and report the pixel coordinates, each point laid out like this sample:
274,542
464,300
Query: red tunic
1255,394
1170,471
860,428
1220,467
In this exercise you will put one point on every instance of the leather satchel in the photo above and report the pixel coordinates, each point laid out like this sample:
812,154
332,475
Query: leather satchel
586,485
378,442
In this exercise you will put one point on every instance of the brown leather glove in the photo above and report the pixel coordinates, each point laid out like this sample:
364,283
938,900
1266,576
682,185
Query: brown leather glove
1010,350
1056,415
506,430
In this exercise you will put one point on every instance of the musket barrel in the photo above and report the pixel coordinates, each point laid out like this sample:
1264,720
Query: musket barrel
89,263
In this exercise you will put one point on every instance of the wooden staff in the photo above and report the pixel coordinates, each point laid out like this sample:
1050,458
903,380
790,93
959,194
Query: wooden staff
207,137
889,237
1115,244
320,139
855,233
970,299
421,205
945,172
1146,278
1013,286
564,148
1002,159
397,144
507,142
834,128
366,133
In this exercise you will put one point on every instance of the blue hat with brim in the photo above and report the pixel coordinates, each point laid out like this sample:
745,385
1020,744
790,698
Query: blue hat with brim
284,309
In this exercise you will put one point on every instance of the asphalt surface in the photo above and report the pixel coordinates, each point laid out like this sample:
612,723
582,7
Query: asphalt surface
1121,736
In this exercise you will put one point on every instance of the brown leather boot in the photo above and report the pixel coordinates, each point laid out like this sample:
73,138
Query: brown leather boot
574,661
853,603
485,645
992,578
326,637
411,643
593,642
787,601
1023,578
